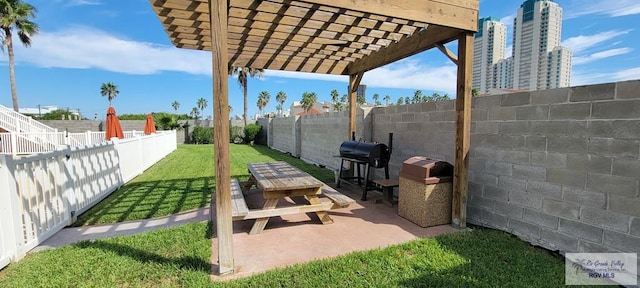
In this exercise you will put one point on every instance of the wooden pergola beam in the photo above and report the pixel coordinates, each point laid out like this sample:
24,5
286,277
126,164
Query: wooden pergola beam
463,129
354,82
448,53
419,42
461,14
222,203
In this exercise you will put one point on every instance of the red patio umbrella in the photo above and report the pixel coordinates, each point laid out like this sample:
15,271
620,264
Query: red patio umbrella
149,127
113,125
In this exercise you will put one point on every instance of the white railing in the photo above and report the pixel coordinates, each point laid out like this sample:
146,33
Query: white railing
41,194
30,143
13,121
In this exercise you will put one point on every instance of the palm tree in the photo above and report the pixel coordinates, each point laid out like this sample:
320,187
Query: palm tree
110,90
334,97
387,98
376,99
16,14
308,99
202,104
263,100
417,97
281,97
175,105
338,106
243,75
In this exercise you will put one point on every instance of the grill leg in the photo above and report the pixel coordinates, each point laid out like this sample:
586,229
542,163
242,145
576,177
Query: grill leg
386,171
359,177
340,173
366,182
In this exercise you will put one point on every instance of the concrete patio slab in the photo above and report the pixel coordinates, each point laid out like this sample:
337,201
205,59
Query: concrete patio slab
294,239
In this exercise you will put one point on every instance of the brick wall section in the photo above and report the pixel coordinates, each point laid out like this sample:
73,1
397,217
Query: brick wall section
559,168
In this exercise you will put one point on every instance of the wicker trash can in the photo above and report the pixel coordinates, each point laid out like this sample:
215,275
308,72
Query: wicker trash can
425,191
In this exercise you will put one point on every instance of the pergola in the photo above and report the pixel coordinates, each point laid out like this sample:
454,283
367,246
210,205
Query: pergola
341,37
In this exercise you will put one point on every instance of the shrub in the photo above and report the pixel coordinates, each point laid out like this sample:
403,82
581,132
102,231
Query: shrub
202,135
250,132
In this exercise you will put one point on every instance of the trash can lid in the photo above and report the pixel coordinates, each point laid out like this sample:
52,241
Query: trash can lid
420,168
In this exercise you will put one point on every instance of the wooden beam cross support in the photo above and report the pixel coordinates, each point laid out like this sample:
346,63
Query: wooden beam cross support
447,53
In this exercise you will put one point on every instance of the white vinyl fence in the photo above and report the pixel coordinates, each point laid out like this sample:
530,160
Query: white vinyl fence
41,194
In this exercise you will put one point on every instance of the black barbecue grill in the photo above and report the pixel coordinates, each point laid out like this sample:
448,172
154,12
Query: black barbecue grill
369,154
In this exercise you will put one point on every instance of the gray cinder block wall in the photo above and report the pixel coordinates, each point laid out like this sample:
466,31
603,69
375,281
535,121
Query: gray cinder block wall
558,168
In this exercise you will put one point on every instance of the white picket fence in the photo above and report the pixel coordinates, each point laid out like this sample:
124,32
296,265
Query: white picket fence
41,194
38,142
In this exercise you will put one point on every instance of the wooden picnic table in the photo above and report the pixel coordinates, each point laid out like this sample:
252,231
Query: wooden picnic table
278,180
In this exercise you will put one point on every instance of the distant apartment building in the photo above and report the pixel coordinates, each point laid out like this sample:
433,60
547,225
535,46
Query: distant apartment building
489,45
538,61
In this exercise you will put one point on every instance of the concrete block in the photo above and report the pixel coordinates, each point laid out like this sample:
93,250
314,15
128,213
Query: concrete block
573,111
494,220
628,89
498,168
445,105
486,179
548,159
541,218
482,203
535,143
626,167
525,199
530,173
559,241
540,112
493,192
589,247
589,163
478,114
605,219
627,148
612,184
551,96
616,110
408,117
486,127
505,141
514,156
428,106
566,177
478,140
474,188
619,129
574,128
635,226
512,184
593,92
624,205
486,101
567,144
622,242
514,128
501,113
474,213
545,189
524,229
561,208
580,230
584,198
509,210
516,99
477,164
485,153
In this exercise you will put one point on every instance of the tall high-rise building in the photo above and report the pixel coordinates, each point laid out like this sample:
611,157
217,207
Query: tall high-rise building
536,34
489,46
537,62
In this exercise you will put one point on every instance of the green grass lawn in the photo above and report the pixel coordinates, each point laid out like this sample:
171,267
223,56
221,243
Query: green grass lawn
179,257
182,181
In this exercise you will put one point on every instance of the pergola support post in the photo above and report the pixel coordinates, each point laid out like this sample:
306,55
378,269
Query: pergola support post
463,129
222,200
354,82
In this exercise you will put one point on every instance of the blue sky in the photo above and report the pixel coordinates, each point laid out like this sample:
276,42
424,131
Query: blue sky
84,43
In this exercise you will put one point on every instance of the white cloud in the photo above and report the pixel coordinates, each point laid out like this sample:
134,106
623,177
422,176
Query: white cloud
87,48
584,42
508,20
600,55
604,77
508,52
610,8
